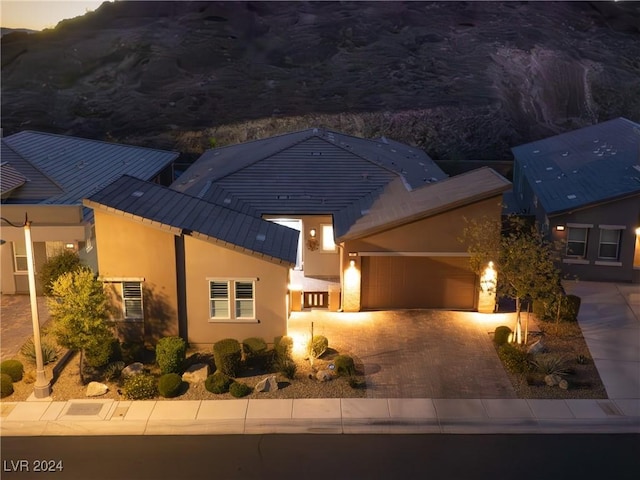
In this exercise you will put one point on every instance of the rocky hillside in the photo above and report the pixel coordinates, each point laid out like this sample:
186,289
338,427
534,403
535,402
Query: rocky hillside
462,80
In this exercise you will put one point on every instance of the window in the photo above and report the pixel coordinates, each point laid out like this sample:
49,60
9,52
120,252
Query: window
577,242
609,244
328,245
20,256
219,299
242,291
132,300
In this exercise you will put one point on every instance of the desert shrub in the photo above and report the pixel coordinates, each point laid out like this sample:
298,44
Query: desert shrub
582,359
238,389
113,370
283,347
100,354
254,346
551,364
6,385
171,354
256,353
13,368
318,345
227,354
571,308
169,385
50,350
344,365
501,335
218,383
357,383
64,262
140,387
287,367
514,359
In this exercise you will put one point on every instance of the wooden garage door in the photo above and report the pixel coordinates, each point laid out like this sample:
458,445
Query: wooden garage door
417,282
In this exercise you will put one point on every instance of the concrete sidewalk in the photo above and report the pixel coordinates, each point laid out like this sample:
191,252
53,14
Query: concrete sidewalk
350,415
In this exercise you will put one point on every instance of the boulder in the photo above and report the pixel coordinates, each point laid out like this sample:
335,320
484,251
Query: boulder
537,347
563,384
196,373
268,384
95,389
136,368
324,375
552,380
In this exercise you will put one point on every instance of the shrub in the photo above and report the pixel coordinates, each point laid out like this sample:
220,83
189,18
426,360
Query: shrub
318,345
501,335
218,383
582,359
13,368
287,366
254,346
64,262
283,347
571,308
344,365
6,385
551,364
357,383
132,352
100,354
113,370
227,354
514,359
170,354
50,350
169,385
140,387
239,390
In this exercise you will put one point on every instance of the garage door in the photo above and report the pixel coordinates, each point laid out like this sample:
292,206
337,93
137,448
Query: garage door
417,282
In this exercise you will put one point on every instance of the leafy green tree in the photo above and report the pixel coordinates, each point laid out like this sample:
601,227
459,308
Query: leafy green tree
523,259
78,306
63,262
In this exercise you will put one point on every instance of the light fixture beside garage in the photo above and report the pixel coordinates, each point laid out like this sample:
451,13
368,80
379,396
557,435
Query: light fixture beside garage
560,228
312,241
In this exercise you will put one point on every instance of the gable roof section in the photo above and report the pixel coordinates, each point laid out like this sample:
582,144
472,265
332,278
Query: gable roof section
397,206
179,213
10,179
76,167
588,166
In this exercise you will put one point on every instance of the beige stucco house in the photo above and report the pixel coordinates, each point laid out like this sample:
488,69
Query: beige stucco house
311,219
45,177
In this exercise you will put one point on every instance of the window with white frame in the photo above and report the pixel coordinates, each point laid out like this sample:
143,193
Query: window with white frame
242,291
609,244
20,256
577,242
328,244
132,300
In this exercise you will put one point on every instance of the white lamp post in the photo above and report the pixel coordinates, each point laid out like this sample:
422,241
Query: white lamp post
42,387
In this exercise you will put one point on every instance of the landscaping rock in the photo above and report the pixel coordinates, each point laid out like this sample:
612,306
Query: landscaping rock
136,368
552,380
268,384
95,389
537,347
196,373
563,384
324,375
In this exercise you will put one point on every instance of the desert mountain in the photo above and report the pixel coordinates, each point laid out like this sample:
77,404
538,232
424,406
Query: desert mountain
463,80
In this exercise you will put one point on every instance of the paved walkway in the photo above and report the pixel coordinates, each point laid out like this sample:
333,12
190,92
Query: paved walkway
16,326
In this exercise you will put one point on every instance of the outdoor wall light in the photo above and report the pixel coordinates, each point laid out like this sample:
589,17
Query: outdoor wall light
69,245
353,254
312,233
560,228
638,231
312,242
352,263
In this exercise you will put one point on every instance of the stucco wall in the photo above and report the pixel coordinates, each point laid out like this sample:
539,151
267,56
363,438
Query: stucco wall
130,249
205,260
318,263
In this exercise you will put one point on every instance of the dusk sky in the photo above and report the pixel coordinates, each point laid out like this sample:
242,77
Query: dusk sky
41,14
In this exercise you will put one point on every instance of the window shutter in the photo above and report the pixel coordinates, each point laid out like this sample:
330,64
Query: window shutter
132,298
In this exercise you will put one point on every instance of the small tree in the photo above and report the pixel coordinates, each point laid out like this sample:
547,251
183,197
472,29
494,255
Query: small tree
78,306
524,261
65,261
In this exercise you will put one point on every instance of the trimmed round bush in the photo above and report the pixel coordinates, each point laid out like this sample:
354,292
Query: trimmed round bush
239,390
169,385
254,346
6,385
227,355
501,335
283,347
318,345
13,368
101,354
344,365
218,383
514,359
170,354
140,387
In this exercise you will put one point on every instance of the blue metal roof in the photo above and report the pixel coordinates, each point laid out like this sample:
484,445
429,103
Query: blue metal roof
74,168
587,166
197,217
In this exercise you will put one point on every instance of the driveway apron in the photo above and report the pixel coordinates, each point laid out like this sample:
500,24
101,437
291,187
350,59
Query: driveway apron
15,322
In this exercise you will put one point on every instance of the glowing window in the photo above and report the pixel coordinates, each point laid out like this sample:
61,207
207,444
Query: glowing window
328,244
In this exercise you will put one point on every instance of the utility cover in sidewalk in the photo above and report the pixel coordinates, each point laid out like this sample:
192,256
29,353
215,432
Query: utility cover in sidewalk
84,409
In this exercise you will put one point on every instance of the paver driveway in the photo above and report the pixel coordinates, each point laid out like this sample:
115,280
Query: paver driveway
417,353
16,326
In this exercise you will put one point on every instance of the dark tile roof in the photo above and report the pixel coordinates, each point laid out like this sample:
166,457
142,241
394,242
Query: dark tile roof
149,201
309,172
587,166
64,170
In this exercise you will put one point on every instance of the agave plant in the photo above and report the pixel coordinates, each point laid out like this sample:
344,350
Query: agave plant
50,350
552,364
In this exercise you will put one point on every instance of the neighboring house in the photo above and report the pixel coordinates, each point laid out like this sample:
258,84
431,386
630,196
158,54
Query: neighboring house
46,176
583,187
311,219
